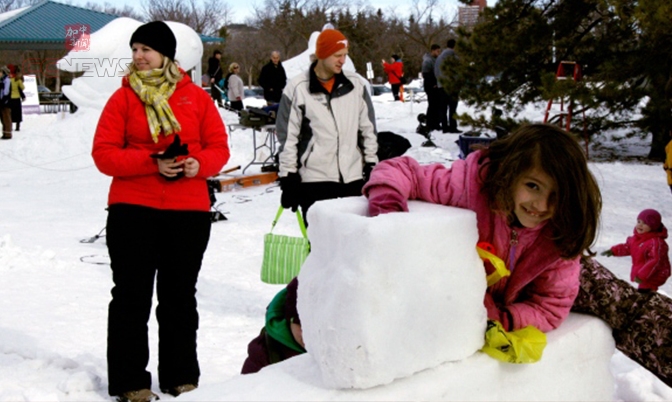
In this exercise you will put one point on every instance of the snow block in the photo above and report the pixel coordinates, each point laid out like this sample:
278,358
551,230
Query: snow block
382,298
574,367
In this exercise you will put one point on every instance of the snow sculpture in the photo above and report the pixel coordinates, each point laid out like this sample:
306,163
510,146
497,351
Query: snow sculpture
377,304
109,54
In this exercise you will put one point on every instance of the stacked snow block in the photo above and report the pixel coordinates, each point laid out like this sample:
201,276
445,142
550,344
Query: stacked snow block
575,367
383,298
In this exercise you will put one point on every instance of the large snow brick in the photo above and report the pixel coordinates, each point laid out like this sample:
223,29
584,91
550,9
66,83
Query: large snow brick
383,298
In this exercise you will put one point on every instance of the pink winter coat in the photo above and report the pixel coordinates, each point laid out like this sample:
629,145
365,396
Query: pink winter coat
650,262
542,286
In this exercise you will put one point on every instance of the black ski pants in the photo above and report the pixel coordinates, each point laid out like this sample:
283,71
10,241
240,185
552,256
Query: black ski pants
447,111
145,243
433,108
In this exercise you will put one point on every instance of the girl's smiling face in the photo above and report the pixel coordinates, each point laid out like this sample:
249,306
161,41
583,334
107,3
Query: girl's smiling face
642,227
531,194
145,58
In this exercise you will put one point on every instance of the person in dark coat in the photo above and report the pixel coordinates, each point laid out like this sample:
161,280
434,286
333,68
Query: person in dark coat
17,97
215,73
448,101
281,337
273,79
431,89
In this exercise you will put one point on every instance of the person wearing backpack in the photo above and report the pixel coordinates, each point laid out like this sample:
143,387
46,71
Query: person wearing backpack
215,73
5,109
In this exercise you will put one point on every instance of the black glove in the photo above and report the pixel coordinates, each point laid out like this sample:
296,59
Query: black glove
366,172
291,186
607,253
173,151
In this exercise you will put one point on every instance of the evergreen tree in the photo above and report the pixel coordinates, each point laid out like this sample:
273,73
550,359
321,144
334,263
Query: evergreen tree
623,46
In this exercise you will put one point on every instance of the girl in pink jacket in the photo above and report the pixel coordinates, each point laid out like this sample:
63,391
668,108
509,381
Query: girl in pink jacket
647,246
535,201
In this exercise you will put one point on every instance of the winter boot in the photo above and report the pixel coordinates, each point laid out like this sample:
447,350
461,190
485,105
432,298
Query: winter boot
141,395
180,389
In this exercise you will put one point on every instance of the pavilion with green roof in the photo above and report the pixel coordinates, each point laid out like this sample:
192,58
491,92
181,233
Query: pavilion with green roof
42,26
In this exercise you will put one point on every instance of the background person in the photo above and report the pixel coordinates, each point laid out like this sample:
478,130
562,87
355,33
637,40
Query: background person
394,70
431,89
17,97
158,223
5,109
448,100
648,249
215,73
326,128
273,79
235,88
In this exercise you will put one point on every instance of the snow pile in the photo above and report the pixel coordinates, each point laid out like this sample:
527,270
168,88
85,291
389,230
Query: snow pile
388,312
575,367
375,305
106,60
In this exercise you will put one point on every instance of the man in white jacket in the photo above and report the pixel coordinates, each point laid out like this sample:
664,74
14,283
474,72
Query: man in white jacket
326,128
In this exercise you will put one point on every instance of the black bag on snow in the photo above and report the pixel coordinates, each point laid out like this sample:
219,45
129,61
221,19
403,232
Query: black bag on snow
391,145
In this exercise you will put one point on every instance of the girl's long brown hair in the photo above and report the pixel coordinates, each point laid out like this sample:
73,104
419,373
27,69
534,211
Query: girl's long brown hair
577,201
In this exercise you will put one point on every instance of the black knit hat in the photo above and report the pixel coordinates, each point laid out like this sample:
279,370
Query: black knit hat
158,36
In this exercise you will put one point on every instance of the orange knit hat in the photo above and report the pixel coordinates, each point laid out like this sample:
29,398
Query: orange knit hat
329,42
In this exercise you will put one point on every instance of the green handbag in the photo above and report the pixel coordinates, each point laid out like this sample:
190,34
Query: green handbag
284,255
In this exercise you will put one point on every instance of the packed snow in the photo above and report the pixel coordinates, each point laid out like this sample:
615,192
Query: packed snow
369,313
57,280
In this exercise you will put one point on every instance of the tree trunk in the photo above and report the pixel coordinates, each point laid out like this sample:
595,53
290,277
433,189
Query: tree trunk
660,139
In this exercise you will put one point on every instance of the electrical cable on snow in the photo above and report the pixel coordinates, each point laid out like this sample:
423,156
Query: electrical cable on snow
93,259
46,163
94,238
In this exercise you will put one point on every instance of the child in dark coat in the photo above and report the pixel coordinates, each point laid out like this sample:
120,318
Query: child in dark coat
647,246
281,337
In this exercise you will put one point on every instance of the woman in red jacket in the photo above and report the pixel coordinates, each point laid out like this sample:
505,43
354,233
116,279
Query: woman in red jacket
159,137
394,70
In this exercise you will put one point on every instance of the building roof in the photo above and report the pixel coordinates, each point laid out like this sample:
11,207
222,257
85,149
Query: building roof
44,25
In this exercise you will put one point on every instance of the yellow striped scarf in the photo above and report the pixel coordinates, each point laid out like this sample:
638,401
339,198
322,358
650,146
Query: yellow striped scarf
154,91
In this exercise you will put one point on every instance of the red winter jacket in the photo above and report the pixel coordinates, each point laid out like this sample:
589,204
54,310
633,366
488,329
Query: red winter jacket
394,71
542,286
123,144
650,262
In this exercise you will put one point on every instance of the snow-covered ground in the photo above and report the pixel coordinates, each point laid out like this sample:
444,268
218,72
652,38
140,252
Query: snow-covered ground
55,288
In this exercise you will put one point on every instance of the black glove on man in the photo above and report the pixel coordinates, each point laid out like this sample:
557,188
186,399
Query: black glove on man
291,186
366,172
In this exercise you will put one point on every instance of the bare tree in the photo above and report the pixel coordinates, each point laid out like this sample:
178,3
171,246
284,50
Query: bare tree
108,8
8,5
205,18
428,23
246,51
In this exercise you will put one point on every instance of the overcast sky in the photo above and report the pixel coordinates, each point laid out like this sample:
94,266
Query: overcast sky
244,9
